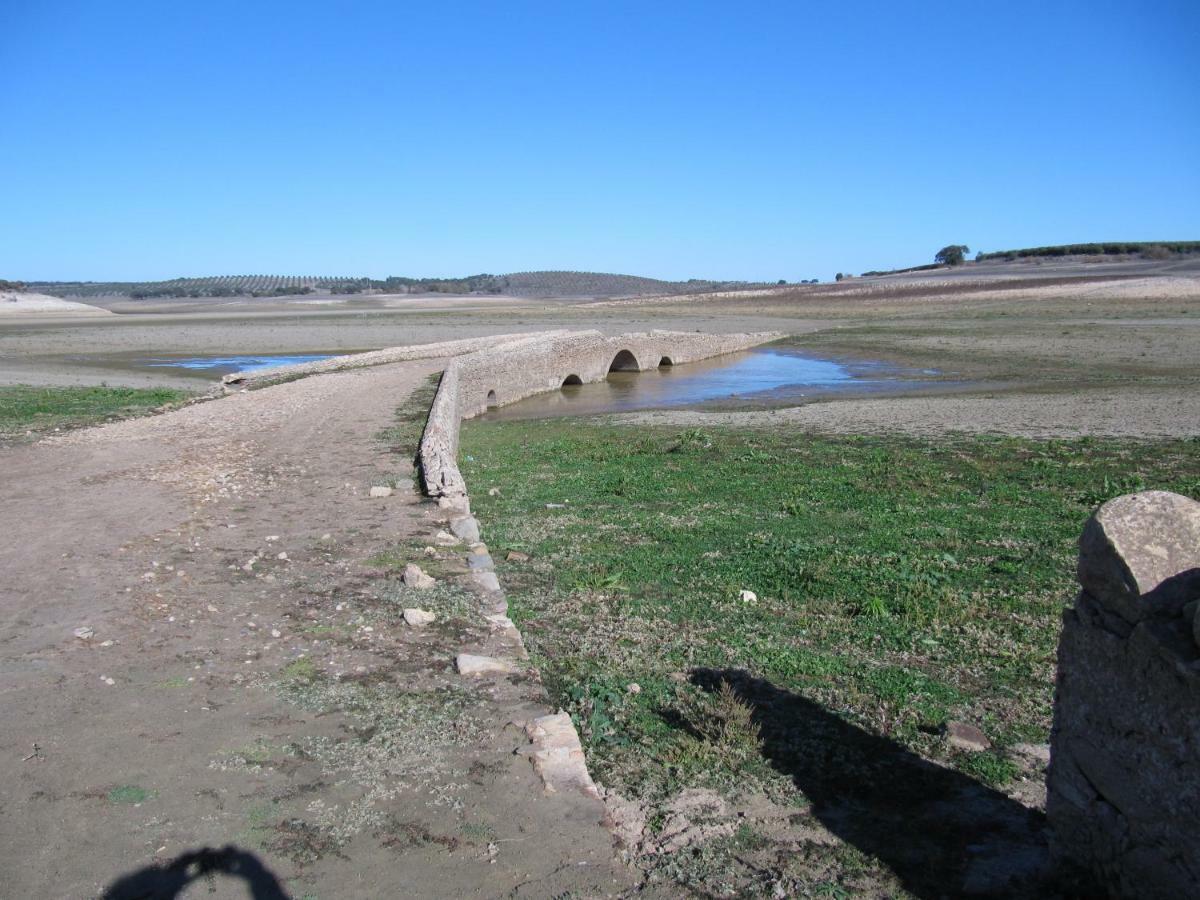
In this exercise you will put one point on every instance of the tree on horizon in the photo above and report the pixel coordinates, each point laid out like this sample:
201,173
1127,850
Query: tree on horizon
952,255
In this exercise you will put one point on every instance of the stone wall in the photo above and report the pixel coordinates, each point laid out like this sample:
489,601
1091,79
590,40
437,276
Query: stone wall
513,371
517,368
441,349
1124,783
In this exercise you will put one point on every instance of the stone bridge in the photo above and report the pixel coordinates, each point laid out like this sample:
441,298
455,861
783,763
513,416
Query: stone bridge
521,367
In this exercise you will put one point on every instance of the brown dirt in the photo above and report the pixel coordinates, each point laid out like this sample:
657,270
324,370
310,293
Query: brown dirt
282,707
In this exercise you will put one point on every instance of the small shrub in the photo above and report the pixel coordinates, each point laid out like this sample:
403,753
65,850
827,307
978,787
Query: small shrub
300,671
729,725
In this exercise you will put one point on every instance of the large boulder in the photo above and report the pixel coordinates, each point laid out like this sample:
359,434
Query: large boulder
1123,786
1139,555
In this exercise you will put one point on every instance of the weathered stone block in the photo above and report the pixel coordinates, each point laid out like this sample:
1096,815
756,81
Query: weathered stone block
1124,785
1139,555
415,577
557,755
480,562
417,618
471,664
488,581
466,528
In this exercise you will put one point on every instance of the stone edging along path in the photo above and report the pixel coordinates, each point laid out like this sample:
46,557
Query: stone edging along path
508,371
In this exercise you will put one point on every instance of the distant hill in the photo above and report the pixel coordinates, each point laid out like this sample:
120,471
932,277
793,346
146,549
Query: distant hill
517,284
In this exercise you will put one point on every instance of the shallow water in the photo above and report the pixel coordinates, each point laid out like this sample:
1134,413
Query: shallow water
755,378
226,365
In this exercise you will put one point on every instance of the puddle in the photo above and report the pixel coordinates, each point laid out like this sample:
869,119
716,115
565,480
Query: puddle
757,378
226,365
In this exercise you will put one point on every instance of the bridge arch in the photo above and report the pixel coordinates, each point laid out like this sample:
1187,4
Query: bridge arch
624,361
665,363
572,380
492,402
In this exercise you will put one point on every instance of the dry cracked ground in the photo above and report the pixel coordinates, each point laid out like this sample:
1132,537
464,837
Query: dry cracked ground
208,687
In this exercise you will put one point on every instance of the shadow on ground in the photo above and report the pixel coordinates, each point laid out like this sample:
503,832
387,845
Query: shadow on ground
942,832
170,880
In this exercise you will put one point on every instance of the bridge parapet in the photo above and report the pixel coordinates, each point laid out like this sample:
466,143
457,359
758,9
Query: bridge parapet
521,367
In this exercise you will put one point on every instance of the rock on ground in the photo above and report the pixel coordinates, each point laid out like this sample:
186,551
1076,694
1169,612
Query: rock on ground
964,736
471,664
415,577
418,617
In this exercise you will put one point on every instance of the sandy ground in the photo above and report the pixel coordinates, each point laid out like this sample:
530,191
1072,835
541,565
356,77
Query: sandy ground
1139,413
39,305
170,727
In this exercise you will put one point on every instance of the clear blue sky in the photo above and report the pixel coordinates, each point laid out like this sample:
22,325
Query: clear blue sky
729,140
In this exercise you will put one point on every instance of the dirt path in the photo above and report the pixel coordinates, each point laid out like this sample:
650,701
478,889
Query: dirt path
248,680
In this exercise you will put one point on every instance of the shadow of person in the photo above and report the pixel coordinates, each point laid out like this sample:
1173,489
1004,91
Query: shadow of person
169,880
943,834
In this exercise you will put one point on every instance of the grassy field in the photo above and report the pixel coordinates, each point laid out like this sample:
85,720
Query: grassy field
900,585
24,408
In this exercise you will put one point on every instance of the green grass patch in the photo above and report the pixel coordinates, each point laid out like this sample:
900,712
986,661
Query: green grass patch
301,671
39,409
390,558
478,832
900,583
255,754
130,794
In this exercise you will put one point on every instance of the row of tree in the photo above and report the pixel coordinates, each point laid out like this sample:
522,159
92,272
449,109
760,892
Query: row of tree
1151,249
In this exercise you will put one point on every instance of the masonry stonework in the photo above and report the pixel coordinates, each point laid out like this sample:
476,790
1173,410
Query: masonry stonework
513,369
1124,784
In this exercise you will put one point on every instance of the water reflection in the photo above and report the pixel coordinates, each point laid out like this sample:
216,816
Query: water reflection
753,377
